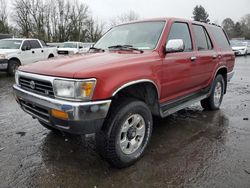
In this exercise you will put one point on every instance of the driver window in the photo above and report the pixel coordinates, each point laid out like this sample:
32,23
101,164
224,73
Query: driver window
181,31
26,45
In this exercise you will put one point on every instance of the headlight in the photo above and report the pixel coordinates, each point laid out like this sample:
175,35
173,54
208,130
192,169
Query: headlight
17,77
2,56
76,90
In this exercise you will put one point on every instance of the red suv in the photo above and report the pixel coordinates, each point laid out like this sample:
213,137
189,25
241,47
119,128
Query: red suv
136,70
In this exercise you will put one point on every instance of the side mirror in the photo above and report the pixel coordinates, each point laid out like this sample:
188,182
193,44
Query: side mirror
175,45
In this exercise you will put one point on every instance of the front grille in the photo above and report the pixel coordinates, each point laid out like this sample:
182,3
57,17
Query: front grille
63,52
37,86
35,111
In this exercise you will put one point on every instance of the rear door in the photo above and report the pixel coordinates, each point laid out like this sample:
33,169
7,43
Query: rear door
177,67
206,57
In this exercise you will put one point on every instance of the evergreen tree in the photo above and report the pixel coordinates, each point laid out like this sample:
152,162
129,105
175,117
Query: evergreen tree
200,14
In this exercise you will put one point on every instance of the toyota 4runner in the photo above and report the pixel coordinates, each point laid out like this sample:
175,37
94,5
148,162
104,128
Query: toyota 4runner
136,70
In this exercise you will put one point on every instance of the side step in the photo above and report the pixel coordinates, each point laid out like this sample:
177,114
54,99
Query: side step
171,107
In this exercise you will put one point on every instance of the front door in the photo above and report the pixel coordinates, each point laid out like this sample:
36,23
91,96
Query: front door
177,67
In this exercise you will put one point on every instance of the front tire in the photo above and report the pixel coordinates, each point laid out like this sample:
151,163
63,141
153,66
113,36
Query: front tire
126,133
213,102
12,67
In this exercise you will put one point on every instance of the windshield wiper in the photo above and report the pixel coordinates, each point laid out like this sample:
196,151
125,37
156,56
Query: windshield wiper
96,49
125,47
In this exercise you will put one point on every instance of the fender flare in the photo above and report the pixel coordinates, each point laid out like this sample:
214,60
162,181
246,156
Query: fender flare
136,82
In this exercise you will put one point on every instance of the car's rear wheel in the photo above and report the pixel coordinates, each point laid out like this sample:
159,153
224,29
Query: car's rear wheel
126,133
12,67
213,102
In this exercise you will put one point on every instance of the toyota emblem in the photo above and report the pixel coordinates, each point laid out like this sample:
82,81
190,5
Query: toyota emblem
32,85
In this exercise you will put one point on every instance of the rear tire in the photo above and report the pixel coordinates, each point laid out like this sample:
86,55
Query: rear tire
12,67
213,102
126,133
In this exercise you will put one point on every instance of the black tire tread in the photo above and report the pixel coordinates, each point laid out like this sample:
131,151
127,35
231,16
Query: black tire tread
207,103
104,142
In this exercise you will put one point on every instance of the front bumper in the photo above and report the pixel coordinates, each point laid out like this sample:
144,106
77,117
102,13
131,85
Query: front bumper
3,64
240,52
83,117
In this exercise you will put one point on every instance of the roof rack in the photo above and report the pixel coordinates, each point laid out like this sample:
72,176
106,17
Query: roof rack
214,24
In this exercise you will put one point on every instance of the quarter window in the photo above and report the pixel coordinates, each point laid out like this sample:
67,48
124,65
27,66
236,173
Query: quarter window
220,37
202,39
181,31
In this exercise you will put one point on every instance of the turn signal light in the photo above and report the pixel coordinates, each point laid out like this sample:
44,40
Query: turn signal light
59,114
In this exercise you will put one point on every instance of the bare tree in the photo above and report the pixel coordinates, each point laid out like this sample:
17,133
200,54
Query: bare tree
245,24
3,17
56,20
22,17
94,30
123,18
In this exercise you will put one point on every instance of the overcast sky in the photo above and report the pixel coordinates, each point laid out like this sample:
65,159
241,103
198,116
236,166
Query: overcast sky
217,9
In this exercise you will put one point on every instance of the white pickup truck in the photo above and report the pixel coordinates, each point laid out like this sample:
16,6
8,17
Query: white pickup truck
16,52
73,48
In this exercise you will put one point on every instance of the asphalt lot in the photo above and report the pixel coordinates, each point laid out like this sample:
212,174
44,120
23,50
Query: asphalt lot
191,148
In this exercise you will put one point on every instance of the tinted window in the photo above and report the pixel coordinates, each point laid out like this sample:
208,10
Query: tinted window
201,37
220,37
181,31
26,44
34,44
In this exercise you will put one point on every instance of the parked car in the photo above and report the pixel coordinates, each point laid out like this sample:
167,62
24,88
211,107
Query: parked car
72,48
150,67
16,52
240,47
4,36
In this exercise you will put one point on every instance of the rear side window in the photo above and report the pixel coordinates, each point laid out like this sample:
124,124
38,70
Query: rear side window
181,31
220,37
34,44
202,40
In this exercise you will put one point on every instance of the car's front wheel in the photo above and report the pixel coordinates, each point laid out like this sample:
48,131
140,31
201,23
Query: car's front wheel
213,102
12,67
126,133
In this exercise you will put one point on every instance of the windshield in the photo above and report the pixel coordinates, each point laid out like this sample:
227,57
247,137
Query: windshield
10,44
69,45
238,43
144,35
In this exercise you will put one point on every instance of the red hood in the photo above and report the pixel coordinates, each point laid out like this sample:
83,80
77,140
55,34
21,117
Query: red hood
83,66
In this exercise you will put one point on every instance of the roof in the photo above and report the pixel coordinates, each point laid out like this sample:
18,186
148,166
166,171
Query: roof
171,18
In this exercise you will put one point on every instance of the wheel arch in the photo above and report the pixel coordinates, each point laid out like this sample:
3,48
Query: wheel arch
15,59
222,71
51,55
145,90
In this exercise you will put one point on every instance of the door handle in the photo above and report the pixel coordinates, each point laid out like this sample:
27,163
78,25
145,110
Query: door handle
42,51
33,52
193,58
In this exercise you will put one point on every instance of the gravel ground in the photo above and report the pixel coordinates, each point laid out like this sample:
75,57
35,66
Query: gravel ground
191,148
